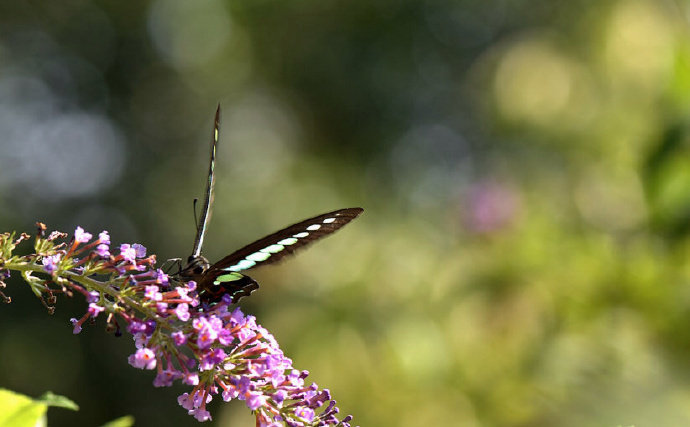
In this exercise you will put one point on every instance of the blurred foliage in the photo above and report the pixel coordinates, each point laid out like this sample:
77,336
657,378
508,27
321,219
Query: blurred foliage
524,166
17,410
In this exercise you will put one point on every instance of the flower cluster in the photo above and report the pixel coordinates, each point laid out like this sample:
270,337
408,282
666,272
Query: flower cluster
212,348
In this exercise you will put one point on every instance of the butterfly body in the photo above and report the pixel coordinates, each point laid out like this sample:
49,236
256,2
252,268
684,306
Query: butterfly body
212,287
224,277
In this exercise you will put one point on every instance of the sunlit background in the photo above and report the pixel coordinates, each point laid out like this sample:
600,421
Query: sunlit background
524,256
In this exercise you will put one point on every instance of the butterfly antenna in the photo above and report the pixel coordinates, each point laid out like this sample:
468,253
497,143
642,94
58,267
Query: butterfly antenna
202,224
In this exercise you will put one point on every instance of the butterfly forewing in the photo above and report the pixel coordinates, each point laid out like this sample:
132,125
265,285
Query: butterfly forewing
283,243
202,225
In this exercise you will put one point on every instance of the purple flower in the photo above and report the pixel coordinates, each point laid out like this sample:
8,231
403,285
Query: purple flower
95,309
208,330
185,401
162,278
276,377
152,293
182,292
140,250
104,237
128,252
81,236
144,358
229,394
257,367
93,296
103,250
226,337
136,326
194,400
200,414
179,338
76,325
206,338
244,384
150,326
256,400
182,312
212,358
305,413
50,263
237,317
165,378
279,396
491,207
191,378
295,378
141,340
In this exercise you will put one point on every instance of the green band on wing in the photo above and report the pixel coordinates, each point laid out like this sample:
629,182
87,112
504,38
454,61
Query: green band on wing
230,277
273,249
259,256
287,242
242,265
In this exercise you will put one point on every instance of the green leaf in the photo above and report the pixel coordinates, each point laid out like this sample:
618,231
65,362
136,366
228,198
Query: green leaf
6,245
36,284
126,421
17,410
51,399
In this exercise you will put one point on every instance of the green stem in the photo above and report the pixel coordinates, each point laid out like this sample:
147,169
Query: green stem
90,283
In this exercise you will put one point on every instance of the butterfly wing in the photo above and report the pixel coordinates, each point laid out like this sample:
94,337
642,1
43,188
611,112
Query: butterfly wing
202,226
237,285
283,243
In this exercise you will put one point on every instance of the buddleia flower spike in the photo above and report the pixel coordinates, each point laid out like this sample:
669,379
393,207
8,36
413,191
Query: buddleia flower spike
218,352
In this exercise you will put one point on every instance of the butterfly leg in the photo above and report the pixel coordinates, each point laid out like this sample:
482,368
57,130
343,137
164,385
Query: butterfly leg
169,264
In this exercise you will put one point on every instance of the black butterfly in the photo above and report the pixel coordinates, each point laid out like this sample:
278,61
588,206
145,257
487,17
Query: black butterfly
224,276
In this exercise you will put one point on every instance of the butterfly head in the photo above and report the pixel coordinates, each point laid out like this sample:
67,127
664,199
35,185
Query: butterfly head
195,268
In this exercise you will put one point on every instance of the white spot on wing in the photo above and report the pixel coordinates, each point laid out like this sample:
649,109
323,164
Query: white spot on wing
301,235
313,227
329,220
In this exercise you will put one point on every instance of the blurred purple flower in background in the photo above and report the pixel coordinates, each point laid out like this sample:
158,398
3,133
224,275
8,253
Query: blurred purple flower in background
490,207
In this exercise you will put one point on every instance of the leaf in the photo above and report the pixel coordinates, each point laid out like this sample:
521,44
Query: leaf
126,421
6,244
37,285
51,399
18,410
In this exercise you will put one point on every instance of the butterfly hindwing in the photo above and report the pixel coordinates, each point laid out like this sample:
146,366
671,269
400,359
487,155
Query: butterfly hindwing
283,243
237,285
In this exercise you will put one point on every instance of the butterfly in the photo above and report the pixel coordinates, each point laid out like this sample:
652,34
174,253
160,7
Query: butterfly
225,277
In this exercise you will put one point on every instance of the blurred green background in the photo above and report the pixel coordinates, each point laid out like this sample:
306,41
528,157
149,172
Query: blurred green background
524,166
